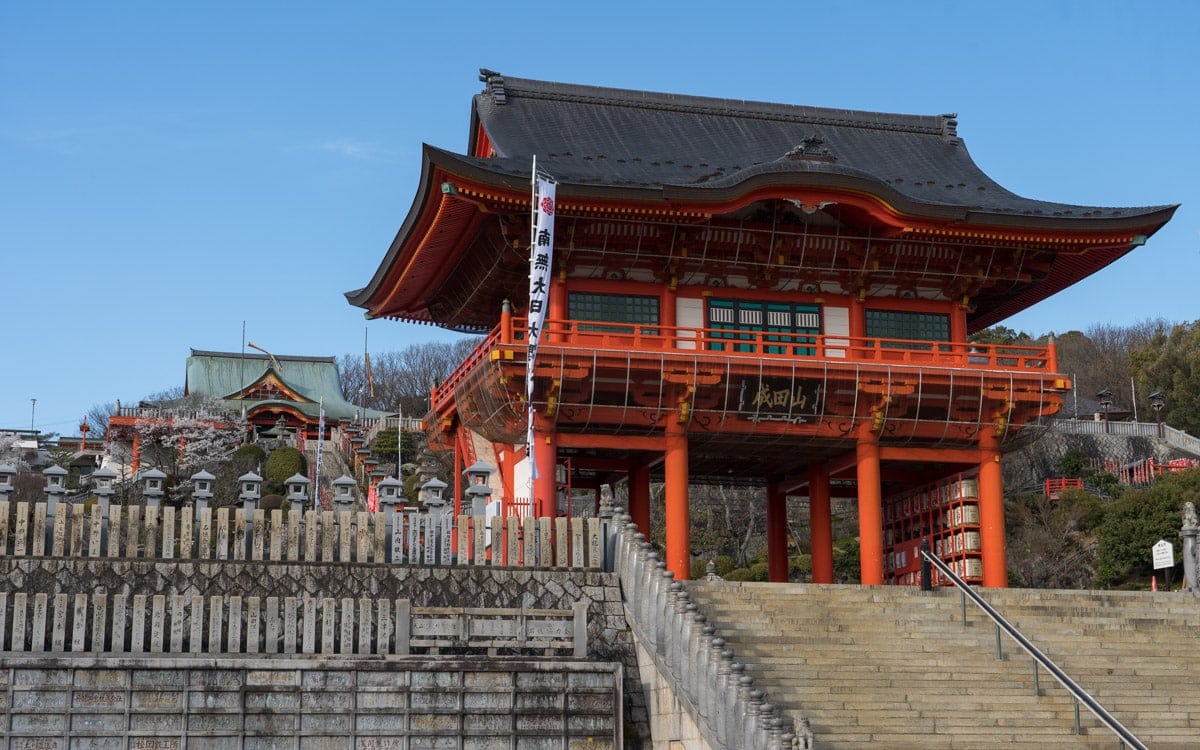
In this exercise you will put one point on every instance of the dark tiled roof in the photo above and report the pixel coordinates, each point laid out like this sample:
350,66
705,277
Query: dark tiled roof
617,138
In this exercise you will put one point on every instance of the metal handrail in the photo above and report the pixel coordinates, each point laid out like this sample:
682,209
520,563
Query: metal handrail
1124,735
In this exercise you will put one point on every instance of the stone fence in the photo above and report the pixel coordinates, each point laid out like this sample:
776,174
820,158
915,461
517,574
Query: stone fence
728,710
168,533
122,625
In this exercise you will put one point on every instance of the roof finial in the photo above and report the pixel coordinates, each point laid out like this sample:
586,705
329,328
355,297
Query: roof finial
950,125
495,84
812,148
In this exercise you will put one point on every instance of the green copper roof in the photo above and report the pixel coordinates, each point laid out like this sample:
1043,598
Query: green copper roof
224,375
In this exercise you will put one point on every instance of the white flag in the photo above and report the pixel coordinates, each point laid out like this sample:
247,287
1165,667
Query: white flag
316,485
541,260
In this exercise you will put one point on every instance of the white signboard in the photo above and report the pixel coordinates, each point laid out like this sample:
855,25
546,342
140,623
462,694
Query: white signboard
1164,554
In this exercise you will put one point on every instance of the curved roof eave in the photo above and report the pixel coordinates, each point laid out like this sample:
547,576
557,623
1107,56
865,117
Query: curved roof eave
362,297
501,173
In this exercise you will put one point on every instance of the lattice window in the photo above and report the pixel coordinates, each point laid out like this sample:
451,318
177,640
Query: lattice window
912,326
613,308
795,325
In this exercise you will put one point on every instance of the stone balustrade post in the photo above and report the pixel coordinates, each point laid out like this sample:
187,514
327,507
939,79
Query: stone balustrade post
684,635
751,735
665,607
721,692
734,718
1191,527
769,722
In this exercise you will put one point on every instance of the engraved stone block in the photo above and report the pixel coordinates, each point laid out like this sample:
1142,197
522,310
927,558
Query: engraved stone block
253,624
158,616
137,638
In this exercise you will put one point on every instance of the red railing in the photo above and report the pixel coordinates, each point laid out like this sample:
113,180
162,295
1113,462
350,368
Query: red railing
621,337
1053,488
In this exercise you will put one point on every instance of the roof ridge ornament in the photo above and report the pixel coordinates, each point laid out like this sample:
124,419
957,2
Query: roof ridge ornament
495,85
812,148
950,125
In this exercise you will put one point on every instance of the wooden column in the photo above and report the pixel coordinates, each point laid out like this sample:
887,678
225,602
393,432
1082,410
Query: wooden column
777,536
820,523
459,467
545,457
870,511
991,514
639,495
679,557
136,457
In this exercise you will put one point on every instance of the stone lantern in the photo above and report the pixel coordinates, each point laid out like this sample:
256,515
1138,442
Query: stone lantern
343,492
297,491
56,487
433,494
7,474
104,479
202,490
153,482
251,491
479,490
389,497
389,493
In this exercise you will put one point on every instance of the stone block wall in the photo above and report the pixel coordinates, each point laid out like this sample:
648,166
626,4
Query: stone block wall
421,586
398,704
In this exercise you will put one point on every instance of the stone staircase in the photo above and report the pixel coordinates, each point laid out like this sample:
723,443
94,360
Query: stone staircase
895,667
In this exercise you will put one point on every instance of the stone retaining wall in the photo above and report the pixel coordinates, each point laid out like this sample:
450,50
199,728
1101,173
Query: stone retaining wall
170,703
220,582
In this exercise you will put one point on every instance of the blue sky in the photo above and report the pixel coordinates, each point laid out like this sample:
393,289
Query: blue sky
170,170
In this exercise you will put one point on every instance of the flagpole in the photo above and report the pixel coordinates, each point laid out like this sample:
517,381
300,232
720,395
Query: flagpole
533,220
541,263
320,450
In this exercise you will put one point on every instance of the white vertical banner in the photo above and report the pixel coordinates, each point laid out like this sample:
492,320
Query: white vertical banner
316,485
541,260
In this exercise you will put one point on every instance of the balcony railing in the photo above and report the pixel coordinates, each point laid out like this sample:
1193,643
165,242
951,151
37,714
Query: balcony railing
762,345
787,345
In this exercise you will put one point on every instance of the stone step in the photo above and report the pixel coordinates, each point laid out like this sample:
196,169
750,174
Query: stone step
896,667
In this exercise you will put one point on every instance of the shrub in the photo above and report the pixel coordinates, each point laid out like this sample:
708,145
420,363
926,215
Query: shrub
282,464
249,457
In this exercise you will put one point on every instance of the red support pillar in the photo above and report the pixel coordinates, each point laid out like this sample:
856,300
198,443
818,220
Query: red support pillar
459,467
991,514
679,556
777,536
870,511
820,523
137,451
545,457
556,313
639,495
506,323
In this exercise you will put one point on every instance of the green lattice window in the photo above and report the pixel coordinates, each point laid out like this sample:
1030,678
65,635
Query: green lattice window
740,320
613,308
914,326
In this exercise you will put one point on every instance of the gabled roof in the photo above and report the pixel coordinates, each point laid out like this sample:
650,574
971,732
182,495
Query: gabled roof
227,375
688,145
